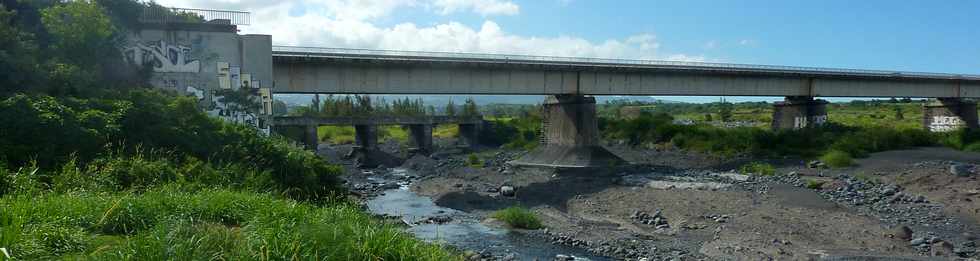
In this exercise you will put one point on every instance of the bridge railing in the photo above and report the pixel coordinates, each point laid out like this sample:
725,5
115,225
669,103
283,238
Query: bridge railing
508,58
164,15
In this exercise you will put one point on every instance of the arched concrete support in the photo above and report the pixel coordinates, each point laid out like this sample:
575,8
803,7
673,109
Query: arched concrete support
420,136
797,112
310,138
570,135
469,135
366,136
949,114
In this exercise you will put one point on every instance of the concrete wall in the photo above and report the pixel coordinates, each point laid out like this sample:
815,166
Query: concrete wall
570,120
798,113
316,75
201,59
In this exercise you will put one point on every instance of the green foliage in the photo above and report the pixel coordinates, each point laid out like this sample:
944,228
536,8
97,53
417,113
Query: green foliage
451,108
170,223
514,133
336,134
518,217
18,54
758,168
470,109
815,184
473,161
725,112
837,159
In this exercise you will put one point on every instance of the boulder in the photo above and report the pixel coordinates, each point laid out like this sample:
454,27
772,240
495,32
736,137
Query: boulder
960,170
507,191
903,232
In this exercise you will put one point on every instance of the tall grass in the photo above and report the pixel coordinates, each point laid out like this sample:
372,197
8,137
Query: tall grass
171,223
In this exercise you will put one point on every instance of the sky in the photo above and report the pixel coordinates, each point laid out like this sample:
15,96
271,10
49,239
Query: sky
911,35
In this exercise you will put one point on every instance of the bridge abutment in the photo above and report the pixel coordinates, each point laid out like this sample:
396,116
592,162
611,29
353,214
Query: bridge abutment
797,112
949,114
420,136
366,137
570,135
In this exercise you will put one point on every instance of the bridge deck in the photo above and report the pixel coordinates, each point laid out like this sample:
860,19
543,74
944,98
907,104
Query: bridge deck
378,120
337,70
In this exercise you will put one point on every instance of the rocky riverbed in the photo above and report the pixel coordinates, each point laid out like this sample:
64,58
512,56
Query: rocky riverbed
700,209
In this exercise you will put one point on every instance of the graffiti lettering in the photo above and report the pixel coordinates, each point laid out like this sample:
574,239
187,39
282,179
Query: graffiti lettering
945,123
163,57
803,122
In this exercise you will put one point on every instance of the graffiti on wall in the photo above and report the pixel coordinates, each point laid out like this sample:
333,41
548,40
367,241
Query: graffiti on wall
946,123
164,57
803,122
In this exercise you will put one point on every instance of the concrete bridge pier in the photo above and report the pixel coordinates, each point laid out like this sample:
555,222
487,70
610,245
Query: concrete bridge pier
949,114
420,136
570,135
469,135
797,112
366,137
310,138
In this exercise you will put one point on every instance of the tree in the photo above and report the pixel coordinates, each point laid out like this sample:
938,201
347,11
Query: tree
82,44
18,55
899,115
451,108
725,112
470,109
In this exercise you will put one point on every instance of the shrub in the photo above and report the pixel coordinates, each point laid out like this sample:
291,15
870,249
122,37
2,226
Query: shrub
518,217
758,168
837,159
815,184
473,160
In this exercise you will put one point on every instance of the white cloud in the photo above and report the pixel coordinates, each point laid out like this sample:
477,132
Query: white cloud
482,7
710,45
746,42
348,24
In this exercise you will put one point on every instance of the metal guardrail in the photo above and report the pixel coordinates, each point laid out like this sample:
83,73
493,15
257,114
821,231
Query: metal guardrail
600,62
166,15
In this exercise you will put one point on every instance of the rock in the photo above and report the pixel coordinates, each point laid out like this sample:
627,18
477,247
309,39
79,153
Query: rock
458,185
560,257
815,164
471,255
903,232
917,241
960,170
507,191
493,190
509,257
942,248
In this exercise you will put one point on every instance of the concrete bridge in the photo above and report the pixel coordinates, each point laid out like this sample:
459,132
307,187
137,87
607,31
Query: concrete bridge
203,58
366,131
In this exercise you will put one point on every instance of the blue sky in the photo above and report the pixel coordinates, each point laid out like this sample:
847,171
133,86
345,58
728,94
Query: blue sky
912,35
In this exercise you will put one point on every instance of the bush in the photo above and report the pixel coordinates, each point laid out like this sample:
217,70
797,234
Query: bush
518,217
473,161
837,159
758,168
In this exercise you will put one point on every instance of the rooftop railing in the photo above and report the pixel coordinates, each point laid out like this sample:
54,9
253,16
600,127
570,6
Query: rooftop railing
166,15
601,62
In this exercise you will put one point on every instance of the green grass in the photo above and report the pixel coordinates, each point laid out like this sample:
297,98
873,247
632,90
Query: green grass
518,217
176,223
837,159
814,184
474,161
758,168
445,131
336,134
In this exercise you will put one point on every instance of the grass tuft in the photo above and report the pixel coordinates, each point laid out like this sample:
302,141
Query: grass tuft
758,168
837,159
518,217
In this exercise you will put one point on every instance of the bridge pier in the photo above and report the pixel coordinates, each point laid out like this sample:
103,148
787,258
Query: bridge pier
366,137
469,135
797,112
310,138
949,114
570,135
420,136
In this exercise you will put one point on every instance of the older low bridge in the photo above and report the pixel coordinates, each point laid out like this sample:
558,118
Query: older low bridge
366,132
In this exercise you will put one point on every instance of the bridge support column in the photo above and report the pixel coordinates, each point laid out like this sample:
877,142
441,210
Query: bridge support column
570,135
310,138
421,137
948,114
469,135
797,112
366,137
